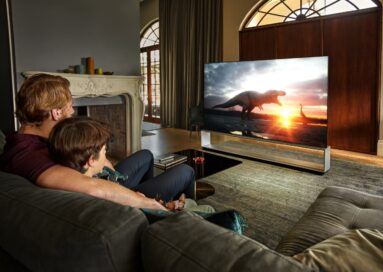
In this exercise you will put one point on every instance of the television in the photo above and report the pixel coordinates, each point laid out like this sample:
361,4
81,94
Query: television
279,99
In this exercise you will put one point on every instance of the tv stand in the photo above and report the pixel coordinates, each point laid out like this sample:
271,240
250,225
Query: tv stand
309,158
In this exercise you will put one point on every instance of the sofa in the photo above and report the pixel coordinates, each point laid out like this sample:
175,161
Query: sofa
53,230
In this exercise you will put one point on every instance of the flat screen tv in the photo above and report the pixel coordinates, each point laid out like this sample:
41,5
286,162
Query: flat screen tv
279,99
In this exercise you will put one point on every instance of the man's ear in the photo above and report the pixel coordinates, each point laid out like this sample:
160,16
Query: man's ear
56,114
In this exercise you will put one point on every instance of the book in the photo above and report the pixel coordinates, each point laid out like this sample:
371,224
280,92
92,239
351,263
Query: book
164,158
166,161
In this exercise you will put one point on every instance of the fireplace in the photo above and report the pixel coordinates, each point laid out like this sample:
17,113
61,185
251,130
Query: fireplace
111,99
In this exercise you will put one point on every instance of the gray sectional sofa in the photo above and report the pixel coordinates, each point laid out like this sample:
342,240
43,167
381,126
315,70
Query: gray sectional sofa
52,230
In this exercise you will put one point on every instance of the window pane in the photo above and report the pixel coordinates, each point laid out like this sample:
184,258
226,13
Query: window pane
151,36
150,70
337,8
271,19
270,11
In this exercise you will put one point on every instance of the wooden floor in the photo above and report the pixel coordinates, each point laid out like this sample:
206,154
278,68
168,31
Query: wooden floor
168,140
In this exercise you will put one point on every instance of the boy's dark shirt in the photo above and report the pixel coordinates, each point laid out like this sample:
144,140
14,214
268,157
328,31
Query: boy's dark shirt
26,155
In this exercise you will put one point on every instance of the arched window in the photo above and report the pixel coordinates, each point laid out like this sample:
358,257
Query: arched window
279,11
150,69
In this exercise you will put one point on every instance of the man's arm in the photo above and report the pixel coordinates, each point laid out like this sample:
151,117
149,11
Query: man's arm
64,178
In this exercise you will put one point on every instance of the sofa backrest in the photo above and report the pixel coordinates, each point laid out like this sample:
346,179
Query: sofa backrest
53,230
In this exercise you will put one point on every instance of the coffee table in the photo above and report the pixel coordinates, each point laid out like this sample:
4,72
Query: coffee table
206,164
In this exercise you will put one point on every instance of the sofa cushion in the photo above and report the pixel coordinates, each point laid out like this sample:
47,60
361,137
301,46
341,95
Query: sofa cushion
335,211
355,250
186,242
53,230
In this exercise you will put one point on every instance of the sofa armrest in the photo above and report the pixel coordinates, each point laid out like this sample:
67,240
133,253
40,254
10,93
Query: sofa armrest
335,211
186,242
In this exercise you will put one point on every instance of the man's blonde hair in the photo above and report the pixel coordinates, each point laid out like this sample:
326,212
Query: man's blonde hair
40,94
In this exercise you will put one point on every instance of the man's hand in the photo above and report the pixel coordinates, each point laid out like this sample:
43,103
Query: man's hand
154,204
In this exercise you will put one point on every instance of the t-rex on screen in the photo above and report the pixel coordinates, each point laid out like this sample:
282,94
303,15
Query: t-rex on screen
248,100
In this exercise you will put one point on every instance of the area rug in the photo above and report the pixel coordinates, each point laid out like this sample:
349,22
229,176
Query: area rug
273,198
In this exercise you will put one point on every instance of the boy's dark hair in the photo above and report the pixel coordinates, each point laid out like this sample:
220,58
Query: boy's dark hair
74,140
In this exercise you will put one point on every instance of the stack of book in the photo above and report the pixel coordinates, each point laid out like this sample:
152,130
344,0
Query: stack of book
169,160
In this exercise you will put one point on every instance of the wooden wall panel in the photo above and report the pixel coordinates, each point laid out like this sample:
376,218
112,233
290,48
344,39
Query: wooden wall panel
352,42
299,40
257,47
352,46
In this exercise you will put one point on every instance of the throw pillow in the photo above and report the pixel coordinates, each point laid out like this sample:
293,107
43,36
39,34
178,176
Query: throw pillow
354,250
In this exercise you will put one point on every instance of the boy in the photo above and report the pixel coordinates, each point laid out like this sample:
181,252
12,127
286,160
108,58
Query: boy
80,143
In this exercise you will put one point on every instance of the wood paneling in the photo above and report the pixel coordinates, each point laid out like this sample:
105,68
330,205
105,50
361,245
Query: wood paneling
292,41
259,46
352,42
352,46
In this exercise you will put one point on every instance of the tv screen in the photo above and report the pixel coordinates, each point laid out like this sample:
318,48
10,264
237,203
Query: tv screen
279,99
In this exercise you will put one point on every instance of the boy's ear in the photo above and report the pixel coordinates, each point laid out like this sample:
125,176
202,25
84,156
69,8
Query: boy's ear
91,161
56,114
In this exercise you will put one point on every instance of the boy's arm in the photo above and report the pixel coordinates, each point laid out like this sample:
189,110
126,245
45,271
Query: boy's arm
64,178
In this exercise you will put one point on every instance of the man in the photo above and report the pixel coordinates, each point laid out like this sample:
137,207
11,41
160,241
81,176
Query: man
42,101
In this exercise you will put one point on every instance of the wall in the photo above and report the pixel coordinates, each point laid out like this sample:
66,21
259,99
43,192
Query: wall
233,14
51,35
149,11
7,82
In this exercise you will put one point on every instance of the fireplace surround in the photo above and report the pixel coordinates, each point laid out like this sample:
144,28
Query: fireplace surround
91,90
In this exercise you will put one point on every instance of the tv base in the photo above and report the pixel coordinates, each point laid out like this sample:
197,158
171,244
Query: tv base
309,158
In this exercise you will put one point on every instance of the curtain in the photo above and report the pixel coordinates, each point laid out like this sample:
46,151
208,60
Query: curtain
191,35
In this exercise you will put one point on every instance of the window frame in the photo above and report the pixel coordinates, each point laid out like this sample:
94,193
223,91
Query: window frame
147,50
258,6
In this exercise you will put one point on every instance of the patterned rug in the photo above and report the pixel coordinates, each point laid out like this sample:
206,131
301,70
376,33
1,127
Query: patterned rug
272,198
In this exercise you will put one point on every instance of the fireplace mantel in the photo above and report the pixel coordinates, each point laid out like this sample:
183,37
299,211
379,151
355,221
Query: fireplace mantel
106,86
